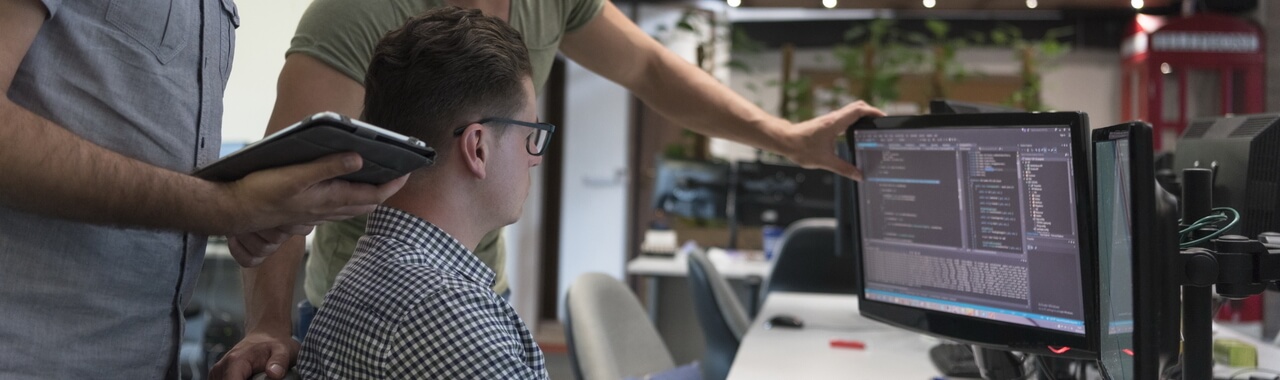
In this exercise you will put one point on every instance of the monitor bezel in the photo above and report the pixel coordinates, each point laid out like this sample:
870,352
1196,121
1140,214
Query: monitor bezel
1157,322
986,332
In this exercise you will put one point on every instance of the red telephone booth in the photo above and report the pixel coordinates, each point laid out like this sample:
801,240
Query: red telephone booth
1203,65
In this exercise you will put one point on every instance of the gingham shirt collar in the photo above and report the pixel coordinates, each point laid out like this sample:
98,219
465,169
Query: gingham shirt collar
436,248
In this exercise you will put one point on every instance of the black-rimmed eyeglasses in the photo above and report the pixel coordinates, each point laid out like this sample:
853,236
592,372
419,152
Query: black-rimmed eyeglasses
537,142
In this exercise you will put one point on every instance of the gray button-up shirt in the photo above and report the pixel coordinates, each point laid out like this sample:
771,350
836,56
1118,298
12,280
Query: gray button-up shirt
143,78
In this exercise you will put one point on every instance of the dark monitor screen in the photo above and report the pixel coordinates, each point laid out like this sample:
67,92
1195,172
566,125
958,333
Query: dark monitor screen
1244,153
1115,252
692,189
781,194
1138,300
978,228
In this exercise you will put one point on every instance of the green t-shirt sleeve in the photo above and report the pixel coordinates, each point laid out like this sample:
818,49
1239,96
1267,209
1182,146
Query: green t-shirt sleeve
581,12
343,33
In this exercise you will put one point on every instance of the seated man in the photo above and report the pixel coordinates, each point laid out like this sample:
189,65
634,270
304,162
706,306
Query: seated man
415,302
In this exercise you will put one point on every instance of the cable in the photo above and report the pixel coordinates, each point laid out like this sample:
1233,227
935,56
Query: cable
1208,221
1044,368
1035,369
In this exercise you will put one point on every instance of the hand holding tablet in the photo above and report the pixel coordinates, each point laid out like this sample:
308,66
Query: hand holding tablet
325,168
387,155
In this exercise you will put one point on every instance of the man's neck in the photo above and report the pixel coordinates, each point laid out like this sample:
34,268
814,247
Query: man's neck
444,209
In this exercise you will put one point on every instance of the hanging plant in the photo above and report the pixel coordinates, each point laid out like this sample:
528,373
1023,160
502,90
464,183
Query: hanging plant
875,66
1032,55
943,67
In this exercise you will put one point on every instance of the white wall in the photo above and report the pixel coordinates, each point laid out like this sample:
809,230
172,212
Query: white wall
593,208
265,30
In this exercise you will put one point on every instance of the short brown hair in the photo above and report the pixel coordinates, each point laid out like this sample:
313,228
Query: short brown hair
443,68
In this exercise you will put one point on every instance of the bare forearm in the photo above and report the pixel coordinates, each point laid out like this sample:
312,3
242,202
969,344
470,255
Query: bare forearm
305,86
51,171
695,100
268,289
612,46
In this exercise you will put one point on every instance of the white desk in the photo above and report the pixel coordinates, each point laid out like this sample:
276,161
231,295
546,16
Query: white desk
1268,354
731,266
806,353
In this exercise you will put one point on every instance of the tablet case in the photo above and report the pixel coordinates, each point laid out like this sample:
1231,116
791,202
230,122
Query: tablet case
387,155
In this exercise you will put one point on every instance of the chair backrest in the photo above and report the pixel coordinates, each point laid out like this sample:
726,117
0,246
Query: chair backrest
807,262
719,312
609,333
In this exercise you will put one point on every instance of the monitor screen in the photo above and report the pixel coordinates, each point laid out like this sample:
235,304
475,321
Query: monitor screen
1115,253
1138,297
971,222
781,194
692,189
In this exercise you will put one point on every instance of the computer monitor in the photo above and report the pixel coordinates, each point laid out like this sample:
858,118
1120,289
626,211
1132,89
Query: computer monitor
978,228
692,189
1137,298
1244,153
948,106
780,194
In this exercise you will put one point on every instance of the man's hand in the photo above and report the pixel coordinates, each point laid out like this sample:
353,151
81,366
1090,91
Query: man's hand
258,352
250,249
278,203
811,143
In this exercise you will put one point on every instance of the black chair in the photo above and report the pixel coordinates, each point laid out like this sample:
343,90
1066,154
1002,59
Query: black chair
719,312
807,261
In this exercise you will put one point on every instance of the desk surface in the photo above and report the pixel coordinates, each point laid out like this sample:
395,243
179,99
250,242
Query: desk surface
729,265
805,353
1268,354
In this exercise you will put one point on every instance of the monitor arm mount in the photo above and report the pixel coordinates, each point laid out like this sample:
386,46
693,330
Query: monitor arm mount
1233,266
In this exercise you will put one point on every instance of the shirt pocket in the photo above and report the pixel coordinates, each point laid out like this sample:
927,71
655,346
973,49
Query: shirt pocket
163,27
230,22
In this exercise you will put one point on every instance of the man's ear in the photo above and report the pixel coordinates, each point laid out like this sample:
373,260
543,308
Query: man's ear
474,149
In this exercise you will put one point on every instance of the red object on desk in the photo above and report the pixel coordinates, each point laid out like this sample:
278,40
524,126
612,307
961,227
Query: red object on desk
852,344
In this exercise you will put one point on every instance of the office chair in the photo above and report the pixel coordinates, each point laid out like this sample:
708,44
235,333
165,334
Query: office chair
806,261
719,312
609,333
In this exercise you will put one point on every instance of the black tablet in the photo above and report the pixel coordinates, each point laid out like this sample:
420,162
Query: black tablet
387,155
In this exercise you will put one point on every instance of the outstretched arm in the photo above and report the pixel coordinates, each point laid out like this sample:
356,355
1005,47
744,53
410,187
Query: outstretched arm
614,47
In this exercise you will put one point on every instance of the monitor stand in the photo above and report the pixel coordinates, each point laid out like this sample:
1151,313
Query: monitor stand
996,364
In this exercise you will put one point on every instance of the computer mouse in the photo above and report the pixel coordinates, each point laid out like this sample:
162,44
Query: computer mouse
783,320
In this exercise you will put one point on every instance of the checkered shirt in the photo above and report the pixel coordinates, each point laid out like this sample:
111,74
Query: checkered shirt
413,303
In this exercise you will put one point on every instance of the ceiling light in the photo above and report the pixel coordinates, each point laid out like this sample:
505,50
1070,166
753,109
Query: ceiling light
930,3
829,3
735,3
1137,4
1032,4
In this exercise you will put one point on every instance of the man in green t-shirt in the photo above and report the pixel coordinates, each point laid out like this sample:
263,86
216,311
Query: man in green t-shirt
324,70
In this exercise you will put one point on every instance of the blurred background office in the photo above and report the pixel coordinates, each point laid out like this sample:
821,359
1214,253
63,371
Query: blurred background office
600,192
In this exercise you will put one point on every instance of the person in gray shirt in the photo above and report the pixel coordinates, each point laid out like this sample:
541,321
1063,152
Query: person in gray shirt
106,106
